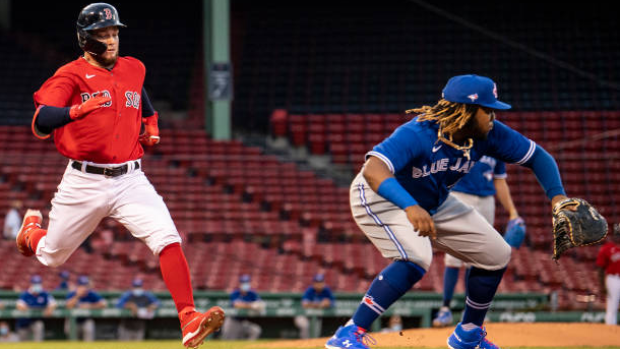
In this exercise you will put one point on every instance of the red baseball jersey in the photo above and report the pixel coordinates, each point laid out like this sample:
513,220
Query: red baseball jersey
609,258
109,134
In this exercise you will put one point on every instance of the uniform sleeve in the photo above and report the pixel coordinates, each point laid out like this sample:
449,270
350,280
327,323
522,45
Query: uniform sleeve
94,297
398,149
121,301
234,297
509,145
499,172
56,92
152,298
22,298
601,258
147,107
307,297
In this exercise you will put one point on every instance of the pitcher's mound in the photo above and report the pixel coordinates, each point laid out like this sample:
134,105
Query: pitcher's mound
502,334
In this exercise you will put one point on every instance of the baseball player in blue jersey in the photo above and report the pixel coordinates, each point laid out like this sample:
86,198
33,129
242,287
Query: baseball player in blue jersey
477,189
400,201
35,298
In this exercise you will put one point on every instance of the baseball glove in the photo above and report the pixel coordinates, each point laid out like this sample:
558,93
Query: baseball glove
576,223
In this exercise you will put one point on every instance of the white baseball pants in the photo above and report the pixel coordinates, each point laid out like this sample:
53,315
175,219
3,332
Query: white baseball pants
84,199
461,231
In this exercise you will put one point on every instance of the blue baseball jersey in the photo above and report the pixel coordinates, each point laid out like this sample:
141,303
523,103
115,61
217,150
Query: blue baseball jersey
428,168
90,297
311,295
249,296
34,301
142,300
479,180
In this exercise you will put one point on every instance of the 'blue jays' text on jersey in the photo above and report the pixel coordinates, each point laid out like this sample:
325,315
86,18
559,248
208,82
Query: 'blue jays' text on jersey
479,180
428,168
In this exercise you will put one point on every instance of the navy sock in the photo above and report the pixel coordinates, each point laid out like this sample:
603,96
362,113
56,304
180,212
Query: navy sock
481,288
450,277
466,278
391,284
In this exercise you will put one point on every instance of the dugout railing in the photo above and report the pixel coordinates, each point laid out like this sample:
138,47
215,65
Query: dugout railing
419,307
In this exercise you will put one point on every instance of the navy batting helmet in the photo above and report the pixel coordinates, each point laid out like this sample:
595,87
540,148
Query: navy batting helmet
95,16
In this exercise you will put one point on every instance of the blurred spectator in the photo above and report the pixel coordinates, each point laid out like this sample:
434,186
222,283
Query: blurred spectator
6,335
35,298
317,296
608,261
64,284
84,298
395,324
142,305
240,327
12,220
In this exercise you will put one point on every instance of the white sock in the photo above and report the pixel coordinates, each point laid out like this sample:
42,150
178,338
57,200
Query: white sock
469,326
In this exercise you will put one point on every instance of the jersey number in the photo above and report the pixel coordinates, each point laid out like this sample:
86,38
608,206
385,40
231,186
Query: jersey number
133,99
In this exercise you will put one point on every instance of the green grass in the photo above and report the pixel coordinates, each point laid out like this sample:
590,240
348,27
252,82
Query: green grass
177,345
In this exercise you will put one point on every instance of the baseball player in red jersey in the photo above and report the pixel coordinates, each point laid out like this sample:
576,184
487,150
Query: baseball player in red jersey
608,261
95,107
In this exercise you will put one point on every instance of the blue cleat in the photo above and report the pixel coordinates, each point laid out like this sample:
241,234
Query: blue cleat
350,337
444,318
474,339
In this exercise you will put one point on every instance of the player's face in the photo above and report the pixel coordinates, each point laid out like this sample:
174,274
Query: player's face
482,123
109,36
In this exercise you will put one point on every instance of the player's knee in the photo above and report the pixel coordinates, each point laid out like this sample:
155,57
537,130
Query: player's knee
504,253
55,261
451,261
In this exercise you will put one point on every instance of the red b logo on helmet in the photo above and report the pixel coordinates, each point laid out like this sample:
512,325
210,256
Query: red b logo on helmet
108,13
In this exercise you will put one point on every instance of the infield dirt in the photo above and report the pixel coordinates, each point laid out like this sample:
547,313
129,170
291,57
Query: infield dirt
502,334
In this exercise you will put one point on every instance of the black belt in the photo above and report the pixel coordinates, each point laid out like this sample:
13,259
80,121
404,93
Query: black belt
106,171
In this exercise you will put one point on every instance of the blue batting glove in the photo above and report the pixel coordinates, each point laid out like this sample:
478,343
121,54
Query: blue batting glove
515,232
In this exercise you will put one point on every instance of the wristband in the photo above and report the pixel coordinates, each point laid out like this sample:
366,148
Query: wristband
394,192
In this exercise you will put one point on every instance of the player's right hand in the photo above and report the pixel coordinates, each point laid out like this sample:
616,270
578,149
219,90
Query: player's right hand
422,221
78,111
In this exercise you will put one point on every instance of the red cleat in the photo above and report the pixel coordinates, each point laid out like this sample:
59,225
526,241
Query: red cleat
32,219
197,326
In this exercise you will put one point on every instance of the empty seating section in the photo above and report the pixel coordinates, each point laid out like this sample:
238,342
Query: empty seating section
362,59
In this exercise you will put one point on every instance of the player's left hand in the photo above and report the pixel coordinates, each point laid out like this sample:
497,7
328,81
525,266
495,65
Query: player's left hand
150,136
515,232
576,223
421,221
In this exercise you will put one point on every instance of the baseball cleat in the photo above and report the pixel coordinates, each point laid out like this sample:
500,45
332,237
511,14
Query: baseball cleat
444,318
474,339
350,337
197,326
32,219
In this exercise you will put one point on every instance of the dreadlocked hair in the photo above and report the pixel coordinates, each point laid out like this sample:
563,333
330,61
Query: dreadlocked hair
450,116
